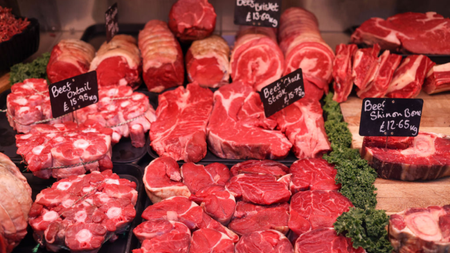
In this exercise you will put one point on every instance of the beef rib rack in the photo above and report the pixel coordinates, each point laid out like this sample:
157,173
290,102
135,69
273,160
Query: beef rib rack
342,71
265,241
438,79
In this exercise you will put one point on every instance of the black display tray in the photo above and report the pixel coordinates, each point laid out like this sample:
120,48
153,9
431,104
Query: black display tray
126,241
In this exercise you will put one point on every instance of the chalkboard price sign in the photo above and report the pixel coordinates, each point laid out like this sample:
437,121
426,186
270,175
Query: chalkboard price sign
74,93
257,12
111,21
390,117
282,92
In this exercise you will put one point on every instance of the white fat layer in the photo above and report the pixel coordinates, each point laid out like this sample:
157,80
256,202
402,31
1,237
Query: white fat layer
63,186
114,212
80,143
50,216
112,181
68,203
38,149
403,79
81,216
21,101
83,235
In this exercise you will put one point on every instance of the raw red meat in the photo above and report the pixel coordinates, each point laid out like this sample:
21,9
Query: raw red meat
80,212
421,229
393,142
381,77
118,62
237,133
192,19
162,236
426,158
419,33
197,176
267,167
310,210
10,27
217,202
250,218
256,59
180,128
207,62
324,240
260,189
69,58
304,48
302,122
162,180
64,150
162,57
409,77
342,71
266,241
312,174
212,241
365,62
438,79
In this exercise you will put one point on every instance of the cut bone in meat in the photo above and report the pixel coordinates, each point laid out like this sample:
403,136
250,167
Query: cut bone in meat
267,167
69,58
212,241
180,128
409,77
197,176
231,136
118,62
256,59
207,62
266,241
260,189
310,210
324,240
421,229
312,174
192,20
80,212
425,158
163,65
342,71
419,33
365,62
162,180
249,218
438,79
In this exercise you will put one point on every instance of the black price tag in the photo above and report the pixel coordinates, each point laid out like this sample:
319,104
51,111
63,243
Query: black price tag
282,92
111,21
257,12
74,93
390,117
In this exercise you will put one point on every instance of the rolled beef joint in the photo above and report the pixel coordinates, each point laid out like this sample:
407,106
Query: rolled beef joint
118,63
69,58
162,57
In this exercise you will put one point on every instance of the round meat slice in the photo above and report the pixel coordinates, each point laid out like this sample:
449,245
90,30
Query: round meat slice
266,241
210,240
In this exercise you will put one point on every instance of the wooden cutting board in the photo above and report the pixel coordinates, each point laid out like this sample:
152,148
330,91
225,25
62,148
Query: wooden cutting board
4,82
395,196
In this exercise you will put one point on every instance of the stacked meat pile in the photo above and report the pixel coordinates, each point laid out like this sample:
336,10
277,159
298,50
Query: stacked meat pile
15,203
253,200
66,149
80,213
118,63
69,58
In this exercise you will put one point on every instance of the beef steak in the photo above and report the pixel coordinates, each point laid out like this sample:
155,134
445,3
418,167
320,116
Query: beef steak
197,176
312,174
323,240
266,241
212,241
260,167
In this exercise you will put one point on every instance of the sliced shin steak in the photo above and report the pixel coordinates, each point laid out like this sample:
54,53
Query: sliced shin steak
421,229
163,65
260,189
192,20
424,158
180,128
69,58
162,179
409,77
365,62
419,33
249,218
197,176
267,167
342,71
312,174
256,59
324,240
212,241
118,62
237,133
310,210
266,241
217,202
81,212
438,79
207,62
